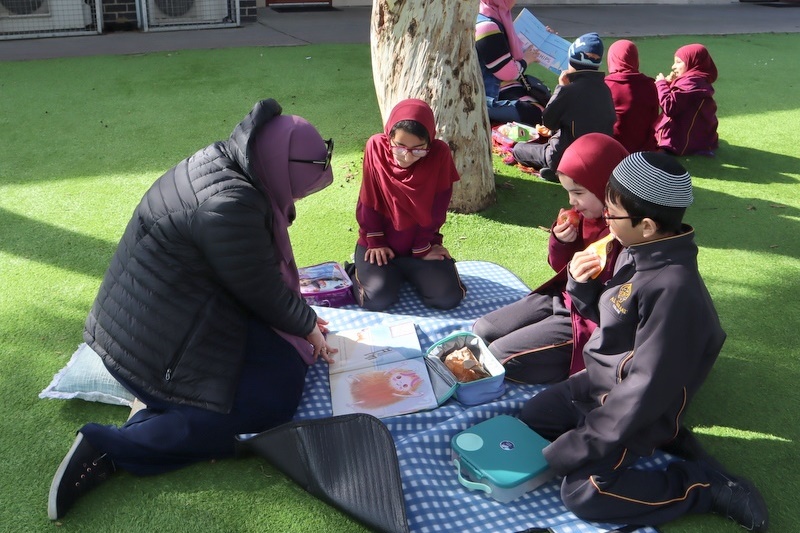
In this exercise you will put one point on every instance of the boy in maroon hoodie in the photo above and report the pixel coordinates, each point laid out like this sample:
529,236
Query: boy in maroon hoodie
540,338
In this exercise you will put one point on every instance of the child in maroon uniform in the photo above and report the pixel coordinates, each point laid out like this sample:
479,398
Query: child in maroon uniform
688,123
539,339
407,183
635,98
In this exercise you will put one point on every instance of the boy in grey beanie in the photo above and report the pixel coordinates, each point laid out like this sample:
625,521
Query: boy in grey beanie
657,339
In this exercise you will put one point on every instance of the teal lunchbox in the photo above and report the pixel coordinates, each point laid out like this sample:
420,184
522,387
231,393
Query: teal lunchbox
501,457
445,384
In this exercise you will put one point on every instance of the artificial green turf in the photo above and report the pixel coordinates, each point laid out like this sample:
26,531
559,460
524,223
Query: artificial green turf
81,139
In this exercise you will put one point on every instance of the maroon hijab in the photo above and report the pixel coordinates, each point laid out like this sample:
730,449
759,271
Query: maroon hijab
698,62
405,195
623,56
589,161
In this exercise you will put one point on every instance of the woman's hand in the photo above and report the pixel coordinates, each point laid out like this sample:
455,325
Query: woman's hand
583,265
379,256
437,253
565,231
321,347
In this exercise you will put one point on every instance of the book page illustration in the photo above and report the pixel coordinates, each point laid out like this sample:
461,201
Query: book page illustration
389,390
379,370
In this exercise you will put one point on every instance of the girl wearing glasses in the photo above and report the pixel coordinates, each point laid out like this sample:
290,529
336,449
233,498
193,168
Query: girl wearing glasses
407,183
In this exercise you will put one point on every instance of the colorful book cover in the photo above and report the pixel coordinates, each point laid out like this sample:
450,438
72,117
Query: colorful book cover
379,370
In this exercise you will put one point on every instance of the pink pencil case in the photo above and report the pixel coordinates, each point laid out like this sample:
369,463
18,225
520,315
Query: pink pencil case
326,284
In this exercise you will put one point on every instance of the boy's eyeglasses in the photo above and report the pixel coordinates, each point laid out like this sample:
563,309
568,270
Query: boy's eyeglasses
608,217
416,152
324,162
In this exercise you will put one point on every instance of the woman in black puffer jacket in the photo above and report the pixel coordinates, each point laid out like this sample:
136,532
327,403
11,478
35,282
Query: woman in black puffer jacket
199,314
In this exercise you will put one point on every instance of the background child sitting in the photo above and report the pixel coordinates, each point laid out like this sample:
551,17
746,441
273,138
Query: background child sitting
688,123
581,104
635,98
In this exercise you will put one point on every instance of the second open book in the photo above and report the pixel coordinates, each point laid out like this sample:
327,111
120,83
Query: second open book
552,50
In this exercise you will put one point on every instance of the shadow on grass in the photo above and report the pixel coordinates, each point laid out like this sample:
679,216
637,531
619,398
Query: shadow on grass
735,163
748,224
755,436
523,199
31,239
723,221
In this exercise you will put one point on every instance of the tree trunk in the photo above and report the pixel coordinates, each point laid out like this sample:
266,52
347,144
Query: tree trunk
426,49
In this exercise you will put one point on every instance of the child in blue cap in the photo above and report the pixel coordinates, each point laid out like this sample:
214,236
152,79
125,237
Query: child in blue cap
581,104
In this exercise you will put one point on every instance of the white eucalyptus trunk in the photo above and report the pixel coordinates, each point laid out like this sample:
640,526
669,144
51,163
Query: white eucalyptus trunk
426,49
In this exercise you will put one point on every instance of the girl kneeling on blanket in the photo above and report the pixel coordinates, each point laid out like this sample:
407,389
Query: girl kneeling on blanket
540,338
406,187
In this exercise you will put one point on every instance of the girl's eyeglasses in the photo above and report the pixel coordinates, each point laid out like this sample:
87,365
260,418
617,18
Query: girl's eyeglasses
324,162
401,151
608,217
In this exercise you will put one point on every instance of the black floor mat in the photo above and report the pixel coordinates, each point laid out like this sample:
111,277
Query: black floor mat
347,461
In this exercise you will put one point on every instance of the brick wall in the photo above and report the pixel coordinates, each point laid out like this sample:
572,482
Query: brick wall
248,10
119,15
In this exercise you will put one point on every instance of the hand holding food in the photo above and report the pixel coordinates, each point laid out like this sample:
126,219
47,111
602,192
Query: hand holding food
543,131
568,215
589,263
601,248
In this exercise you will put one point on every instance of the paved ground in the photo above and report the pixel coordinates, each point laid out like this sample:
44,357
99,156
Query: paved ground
351,25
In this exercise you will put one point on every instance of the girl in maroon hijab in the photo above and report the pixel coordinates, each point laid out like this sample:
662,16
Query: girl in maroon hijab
540,338
635,98
688,124
407,183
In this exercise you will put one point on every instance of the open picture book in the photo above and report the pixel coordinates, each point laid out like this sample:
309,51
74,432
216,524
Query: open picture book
379,370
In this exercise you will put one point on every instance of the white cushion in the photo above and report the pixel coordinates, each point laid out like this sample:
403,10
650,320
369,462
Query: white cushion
87,378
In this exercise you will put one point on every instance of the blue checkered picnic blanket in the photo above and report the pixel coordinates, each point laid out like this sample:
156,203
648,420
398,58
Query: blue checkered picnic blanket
435,500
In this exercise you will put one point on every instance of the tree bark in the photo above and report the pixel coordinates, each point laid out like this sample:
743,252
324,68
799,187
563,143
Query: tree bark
426,49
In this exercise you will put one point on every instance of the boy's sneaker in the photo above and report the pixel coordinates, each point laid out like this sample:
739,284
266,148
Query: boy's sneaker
739,500
82,469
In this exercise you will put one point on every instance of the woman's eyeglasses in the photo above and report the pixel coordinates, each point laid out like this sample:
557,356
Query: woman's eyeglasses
401,151
324,162
608,217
